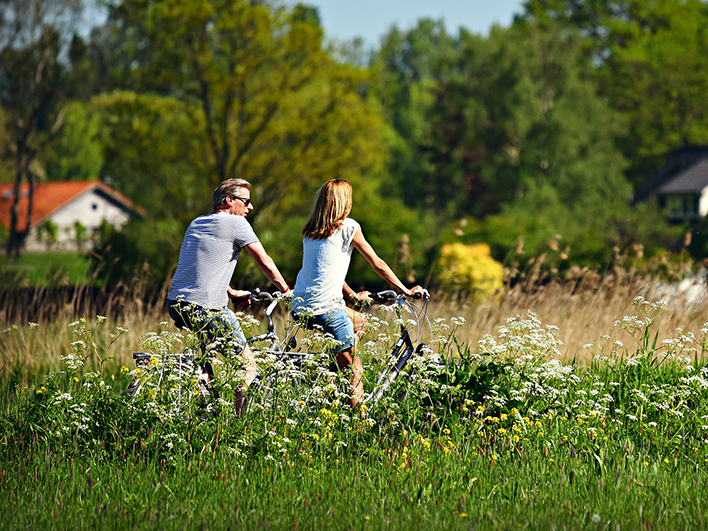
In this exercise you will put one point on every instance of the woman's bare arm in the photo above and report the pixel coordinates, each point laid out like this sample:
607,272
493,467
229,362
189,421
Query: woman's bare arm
380,266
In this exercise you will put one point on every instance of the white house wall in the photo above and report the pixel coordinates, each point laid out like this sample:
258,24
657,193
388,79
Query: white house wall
90,209
703,202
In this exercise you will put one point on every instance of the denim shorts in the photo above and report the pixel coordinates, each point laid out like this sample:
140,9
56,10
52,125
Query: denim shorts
336,323
209,325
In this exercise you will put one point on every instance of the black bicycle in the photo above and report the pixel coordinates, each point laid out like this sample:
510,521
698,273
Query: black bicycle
406,347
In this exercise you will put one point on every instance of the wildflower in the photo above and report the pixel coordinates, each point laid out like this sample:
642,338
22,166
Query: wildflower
41,390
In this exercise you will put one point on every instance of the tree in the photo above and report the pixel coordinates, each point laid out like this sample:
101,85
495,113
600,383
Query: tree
652,60
32,38
276,108
656,76
409,66
150,152
75,152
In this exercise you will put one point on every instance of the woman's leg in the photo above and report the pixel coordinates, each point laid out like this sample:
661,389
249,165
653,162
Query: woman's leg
359,321
347,358
341,326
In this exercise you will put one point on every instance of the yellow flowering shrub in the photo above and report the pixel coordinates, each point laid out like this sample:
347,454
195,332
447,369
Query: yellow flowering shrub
470,270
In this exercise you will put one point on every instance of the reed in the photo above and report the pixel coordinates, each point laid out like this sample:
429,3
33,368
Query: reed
582,303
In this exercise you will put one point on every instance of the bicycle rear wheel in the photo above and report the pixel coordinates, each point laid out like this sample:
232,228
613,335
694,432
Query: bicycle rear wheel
294,383
172,382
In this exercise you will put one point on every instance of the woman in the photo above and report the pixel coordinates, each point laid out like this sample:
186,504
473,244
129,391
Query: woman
329,238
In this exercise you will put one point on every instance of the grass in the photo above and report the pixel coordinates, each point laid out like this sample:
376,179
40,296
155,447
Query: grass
502,435
355,493
45,270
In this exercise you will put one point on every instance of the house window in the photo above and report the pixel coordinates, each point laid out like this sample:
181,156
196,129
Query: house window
682,206
94,206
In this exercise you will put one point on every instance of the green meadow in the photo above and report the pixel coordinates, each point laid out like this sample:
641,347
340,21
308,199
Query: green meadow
511,428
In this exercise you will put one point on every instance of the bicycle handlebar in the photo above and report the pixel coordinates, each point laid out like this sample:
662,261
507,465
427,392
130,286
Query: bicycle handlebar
263,296
390,296
379,297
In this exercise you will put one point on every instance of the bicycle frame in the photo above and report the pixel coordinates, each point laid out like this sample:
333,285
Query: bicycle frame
402,351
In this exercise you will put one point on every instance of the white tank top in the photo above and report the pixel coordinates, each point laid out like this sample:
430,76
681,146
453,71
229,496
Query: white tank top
318,289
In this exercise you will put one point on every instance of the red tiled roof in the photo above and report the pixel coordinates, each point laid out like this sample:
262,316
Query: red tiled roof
49,197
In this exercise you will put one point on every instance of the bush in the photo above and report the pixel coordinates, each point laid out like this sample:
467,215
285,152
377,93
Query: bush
469,270
150,247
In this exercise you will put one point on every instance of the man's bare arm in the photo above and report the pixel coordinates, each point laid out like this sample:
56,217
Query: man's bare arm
267,266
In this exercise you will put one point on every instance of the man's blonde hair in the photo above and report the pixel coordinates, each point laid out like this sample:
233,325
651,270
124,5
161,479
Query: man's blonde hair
228,188
332,206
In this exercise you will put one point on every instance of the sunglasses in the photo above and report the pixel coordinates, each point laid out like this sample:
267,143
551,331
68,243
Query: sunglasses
245,200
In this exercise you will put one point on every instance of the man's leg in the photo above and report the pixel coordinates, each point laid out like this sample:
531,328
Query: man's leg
225,327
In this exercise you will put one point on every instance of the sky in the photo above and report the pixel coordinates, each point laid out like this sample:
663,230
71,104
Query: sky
372,19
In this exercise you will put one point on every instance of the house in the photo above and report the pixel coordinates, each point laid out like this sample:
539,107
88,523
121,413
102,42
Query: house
681,185
66,215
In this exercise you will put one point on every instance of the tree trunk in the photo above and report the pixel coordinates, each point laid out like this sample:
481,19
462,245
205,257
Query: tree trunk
17,236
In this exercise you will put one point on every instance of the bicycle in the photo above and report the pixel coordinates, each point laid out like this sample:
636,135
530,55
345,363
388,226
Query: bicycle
175,380
184,375
287,375
406,347
298,376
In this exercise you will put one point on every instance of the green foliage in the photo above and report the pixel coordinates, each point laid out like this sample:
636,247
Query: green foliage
410,66
510,130
274,107
585,232
75,153
402,236
663,47
48,232
283,242
652,58
151,153
148,248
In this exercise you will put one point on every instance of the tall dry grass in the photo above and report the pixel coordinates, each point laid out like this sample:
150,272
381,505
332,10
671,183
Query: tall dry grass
581,303
584,304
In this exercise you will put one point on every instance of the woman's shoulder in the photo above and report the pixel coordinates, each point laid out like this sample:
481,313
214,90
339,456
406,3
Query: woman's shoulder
350,223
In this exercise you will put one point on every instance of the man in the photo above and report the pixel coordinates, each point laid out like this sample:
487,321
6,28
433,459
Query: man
200,290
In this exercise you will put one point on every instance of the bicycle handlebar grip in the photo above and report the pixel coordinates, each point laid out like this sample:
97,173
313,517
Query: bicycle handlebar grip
425,295
243,298
259,296
383,296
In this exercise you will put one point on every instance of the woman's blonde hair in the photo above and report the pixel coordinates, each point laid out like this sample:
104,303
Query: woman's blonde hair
332,206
